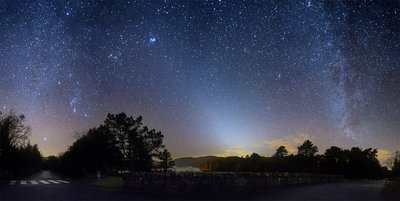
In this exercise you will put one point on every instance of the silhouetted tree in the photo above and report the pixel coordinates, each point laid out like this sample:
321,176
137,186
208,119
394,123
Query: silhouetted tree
166,161
354,163
121,143
361,163
92,152
17,156
281,152
334,160
137,143
13,132
252,163
119,126
307,149
27,160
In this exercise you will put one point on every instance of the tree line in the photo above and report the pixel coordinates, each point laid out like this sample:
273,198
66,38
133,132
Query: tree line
122,143
18,158
354,163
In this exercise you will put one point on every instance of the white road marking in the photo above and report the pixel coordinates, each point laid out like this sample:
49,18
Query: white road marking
34,182
62,181
44,182
52,181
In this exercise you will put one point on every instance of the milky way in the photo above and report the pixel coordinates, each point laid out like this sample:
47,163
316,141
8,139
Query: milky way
211,75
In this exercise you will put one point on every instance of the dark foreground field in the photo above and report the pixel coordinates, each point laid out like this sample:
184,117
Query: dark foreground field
86,189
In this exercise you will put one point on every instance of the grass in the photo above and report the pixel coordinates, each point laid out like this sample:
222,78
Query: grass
109,182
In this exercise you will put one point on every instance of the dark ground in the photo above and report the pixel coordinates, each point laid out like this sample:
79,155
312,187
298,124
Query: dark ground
83,189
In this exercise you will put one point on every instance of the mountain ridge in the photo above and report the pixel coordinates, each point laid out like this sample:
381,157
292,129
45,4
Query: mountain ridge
194,161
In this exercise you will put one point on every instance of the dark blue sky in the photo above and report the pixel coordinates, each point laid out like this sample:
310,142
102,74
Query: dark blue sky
216,77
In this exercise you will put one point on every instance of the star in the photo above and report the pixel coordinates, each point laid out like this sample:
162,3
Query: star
205,76
309,3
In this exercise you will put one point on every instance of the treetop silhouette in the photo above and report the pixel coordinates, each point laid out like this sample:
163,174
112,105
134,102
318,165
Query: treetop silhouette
307,149
281,152
121,143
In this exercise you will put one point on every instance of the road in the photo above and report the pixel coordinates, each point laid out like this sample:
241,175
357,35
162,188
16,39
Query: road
83,189
349,190
78,189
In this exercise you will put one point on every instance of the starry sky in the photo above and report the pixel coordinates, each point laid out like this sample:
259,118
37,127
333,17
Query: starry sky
216,77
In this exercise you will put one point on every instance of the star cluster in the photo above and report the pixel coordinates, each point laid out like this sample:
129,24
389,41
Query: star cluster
211,75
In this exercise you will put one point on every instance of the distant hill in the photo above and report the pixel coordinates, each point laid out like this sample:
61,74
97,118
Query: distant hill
193,162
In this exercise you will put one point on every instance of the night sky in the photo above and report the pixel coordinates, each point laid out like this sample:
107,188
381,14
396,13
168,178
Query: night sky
216,77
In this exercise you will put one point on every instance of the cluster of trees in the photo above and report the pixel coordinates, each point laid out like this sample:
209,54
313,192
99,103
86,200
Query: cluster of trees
122,143
18,158
353,163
